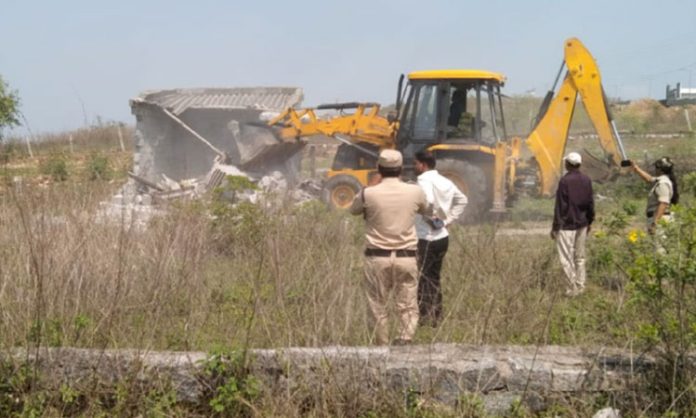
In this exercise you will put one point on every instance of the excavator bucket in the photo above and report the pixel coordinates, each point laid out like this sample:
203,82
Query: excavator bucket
597,169
259,146
181,133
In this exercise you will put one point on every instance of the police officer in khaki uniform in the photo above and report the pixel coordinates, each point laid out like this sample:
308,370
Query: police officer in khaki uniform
664,193
390,209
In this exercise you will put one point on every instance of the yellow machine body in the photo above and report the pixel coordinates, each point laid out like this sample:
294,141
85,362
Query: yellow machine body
548,140
496,160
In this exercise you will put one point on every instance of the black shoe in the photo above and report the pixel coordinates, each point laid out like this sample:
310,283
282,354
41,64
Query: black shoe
401,341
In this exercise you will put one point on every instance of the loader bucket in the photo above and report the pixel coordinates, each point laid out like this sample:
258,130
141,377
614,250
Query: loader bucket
180,133
258,146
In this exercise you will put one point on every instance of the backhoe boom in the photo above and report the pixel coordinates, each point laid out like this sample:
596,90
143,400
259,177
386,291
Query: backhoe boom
582,78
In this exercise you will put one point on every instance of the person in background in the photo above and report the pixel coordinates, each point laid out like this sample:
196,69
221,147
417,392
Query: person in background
389,208
572,220
448,204
664,193
459,122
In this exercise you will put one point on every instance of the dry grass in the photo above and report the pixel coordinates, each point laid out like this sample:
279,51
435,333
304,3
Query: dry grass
273,276
264,278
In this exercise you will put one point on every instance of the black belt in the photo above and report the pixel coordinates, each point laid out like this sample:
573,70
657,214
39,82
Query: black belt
378,252
652,212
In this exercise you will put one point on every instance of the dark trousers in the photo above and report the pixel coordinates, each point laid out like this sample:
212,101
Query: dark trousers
430,256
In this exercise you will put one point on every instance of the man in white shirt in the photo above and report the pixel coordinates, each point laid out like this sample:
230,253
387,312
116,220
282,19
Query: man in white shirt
447,203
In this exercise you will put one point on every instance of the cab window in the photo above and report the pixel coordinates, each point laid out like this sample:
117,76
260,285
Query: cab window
422,115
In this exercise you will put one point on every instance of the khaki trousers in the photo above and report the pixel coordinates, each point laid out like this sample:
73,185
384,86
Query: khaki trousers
659,234
571,250
385,276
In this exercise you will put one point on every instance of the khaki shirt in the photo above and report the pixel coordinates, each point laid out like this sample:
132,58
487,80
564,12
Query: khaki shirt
661,192
390,210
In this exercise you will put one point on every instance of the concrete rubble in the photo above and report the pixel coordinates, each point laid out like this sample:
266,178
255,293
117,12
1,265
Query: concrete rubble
439,373
607,413
188,141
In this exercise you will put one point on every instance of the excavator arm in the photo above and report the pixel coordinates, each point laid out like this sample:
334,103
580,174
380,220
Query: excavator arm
548,139
283,135
365,124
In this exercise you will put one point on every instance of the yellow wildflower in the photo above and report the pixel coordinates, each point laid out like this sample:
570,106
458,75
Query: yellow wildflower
635,235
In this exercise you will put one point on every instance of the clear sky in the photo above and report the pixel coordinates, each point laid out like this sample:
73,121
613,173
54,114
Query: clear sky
75,60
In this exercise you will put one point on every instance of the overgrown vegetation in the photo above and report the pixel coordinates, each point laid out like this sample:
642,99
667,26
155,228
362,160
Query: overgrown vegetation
233,388
25,392
208,275
662,274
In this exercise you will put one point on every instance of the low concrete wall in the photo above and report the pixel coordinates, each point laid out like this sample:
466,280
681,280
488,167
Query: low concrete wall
441,372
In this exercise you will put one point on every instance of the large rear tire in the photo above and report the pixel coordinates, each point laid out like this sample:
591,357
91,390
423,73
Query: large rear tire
471,180
340,190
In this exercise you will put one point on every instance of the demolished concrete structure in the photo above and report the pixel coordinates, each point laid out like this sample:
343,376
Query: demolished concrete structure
180,133
187,141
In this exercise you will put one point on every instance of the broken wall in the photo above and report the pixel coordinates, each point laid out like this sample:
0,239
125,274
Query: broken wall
164,146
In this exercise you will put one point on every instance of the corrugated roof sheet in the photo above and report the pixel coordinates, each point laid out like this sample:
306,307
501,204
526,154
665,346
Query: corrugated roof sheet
266,98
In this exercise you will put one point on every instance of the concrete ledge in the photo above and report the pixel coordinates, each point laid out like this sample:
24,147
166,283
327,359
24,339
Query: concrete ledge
441,372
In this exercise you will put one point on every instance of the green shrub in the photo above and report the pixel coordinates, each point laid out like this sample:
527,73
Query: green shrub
56,167
470,405
9,151
236,221
688,183
633,122
233,387
239,183
663,288
98,167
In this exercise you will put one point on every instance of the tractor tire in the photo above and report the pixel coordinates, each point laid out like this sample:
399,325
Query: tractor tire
339,191
472,181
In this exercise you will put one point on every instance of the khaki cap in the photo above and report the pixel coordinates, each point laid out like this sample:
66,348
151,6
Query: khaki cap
390,158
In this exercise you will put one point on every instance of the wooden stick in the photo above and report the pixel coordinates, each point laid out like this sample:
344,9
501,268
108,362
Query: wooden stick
145,181
688,121
31,135
31,153
120,138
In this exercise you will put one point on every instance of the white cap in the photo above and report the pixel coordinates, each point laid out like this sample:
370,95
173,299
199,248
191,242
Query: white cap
573,158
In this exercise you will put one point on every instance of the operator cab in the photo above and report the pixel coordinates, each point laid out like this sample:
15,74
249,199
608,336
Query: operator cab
450,106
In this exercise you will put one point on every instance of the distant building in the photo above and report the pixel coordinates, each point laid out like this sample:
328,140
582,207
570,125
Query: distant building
679,96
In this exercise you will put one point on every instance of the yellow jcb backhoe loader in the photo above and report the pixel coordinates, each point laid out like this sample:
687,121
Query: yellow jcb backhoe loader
458,115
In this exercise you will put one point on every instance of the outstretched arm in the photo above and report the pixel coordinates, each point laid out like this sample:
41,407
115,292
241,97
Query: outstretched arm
642,173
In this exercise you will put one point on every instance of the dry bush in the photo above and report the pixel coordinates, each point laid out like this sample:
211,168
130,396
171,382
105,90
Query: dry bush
270,275
649,116
262,278
99,137
66,279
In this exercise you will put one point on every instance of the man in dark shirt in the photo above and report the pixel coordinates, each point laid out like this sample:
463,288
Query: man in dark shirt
572,220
